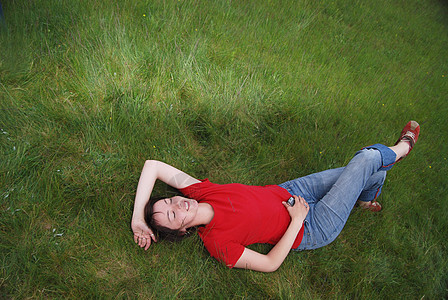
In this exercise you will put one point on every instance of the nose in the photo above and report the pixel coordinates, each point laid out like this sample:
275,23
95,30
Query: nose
177,204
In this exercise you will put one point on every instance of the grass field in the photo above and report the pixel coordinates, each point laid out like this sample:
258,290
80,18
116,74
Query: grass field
256,92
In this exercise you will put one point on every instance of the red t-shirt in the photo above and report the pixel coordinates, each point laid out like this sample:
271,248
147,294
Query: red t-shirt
244,215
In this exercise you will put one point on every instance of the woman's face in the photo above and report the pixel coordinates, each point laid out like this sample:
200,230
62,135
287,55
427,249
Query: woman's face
175,213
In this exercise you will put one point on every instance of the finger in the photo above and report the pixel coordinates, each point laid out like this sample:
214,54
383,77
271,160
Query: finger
153,237
137,239
148,243
299,199
307,206
306,203
288,207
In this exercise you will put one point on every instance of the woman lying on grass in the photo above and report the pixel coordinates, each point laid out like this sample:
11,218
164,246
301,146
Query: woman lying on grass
232,216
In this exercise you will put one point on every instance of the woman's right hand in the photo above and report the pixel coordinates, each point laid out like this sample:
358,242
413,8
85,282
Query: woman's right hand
142,233
299,210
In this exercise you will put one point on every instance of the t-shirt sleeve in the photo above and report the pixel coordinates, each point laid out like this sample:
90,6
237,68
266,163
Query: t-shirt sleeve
196,190
226,252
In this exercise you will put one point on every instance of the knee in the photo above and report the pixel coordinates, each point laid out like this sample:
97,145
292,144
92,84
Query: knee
368,154
378,178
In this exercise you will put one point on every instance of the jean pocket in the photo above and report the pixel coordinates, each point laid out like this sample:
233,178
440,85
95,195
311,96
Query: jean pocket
307,242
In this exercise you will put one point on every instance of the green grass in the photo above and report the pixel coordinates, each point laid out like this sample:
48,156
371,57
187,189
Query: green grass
256,92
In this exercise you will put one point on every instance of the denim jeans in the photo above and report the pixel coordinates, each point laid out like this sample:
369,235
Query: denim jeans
332,194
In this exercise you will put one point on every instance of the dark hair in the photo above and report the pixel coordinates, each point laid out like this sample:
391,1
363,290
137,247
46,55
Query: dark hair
162,232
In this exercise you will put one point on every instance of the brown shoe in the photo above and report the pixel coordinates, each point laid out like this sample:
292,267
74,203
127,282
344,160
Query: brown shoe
373,206
409,134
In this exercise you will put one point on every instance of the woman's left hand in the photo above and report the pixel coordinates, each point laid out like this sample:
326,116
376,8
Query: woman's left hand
142,233
299,210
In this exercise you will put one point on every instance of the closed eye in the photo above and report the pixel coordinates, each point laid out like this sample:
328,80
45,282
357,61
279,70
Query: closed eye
171,202
168,212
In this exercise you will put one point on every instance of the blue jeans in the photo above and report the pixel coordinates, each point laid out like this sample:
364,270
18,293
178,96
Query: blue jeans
332,194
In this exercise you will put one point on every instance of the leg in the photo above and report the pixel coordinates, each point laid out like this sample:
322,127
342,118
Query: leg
373,187
328,216
315,186
405,143
367,199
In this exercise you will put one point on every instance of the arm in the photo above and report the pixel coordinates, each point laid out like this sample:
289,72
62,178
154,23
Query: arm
153,170
271,262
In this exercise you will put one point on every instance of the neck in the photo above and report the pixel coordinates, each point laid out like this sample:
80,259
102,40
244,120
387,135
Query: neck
204,215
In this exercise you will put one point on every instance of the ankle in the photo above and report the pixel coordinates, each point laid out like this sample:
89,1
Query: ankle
401,149
364,204
404,143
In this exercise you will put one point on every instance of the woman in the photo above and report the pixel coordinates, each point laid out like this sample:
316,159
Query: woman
232,216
